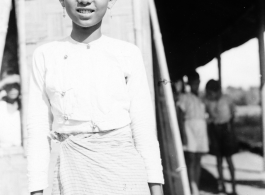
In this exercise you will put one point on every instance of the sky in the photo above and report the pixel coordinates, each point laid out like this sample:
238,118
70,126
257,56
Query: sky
240,67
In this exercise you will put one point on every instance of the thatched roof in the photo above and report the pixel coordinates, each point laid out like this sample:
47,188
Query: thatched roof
191,29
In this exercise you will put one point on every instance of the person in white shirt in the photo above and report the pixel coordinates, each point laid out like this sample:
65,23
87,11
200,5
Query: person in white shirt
195,130
90,93
10,132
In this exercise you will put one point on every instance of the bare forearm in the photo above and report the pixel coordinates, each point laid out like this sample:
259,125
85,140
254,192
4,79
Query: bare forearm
37,193
155,188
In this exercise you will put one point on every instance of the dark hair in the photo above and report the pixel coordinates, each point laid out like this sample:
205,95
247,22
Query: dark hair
9,87
182,83
213,85
10,72
193,76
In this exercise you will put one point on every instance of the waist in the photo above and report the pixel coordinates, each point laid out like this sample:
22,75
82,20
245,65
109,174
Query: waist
196,119
78,126
222,124
123,131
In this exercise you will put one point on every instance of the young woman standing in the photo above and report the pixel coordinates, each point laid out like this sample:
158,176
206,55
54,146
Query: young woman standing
90,93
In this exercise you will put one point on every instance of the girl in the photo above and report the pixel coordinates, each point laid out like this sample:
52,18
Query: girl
10,134
222,137
195,130
178,88
91,91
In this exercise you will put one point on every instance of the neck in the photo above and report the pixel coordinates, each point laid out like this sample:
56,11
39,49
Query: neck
86,34
195,92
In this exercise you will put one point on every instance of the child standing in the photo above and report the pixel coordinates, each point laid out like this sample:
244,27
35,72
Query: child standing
10,133
91,92
195,130
222,137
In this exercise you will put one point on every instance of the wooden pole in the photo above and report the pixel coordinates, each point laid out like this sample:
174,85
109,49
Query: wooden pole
142,32
219,64
181,170
219,61
262,69
23,69
5,8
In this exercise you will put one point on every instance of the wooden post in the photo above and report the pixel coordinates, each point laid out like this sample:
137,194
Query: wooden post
219,64
262,69
142,32
5,8
23,68
170,105
219,61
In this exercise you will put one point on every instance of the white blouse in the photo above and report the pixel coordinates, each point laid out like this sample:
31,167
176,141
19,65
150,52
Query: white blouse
193,106
77,87
10,132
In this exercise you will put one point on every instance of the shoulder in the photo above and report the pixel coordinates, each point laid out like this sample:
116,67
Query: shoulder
205,100
50,47
3,104
226,98
123,47
183,97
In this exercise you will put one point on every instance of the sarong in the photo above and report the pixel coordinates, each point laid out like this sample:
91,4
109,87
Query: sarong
104,163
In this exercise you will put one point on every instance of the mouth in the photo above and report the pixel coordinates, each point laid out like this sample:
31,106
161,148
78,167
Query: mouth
85,10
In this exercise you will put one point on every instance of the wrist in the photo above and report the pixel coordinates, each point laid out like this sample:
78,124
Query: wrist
155,188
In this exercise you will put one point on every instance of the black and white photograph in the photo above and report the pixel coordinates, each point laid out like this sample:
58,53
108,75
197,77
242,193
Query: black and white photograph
132,97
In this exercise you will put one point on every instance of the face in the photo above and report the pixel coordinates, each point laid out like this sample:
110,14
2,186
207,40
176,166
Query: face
12,94
178,86
212,95
87,13
194,85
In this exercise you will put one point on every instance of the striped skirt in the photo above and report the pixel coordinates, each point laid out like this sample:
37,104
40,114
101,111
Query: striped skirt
104,163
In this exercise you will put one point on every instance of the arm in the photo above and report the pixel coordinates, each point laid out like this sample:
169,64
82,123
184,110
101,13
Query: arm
181,123
181,108
143,123
38,126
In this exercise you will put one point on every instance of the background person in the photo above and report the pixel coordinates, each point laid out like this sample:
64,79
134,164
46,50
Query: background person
178,88
223,142
195,130
10,123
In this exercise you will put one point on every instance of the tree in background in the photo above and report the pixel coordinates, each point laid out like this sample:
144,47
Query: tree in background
242,96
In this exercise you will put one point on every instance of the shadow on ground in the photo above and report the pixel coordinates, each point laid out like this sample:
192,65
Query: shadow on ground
253,183
208,182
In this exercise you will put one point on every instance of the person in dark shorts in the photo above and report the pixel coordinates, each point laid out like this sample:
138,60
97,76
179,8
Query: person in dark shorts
223,142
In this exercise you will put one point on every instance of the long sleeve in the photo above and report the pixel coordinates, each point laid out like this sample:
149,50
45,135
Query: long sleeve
143,120
38,125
